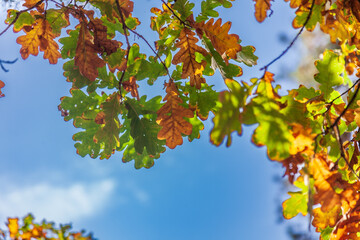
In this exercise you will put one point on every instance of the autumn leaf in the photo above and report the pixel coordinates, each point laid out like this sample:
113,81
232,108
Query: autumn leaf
171,118
101,41
40,36
2,84
132,87
297,203
86,57
261,8
227,45
326,219
13,225
187,56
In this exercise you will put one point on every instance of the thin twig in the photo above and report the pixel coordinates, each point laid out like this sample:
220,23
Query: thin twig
2,62
127,43
152,49
18,14
293,41
171,10
347,107
342,152
332,101
326,131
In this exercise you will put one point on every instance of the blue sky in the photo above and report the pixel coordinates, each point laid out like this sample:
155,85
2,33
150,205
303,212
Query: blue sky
197,191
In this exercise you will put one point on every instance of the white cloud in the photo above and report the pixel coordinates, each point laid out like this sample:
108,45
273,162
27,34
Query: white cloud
54,203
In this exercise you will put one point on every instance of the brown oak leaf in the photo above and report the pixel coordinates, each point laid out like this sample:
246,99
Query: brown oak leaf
101,41
132,87
186,55
86,57
171,118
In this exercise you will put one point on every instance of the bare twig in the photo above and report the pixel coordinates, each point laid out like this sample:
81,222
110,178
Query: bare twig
332,101
152,49
18,14
293,41
2,62
347,107
127,43
342,152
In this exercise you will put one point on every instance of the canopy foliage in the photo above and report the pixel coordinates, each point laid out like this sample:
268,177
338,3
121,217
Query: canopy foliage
312,132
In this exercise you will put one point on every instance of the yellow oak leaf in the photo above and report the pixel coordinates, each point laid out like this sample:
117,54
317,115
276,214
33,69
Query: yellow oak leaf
13,225
39,36
186,55
227,45
171,118
261,8
86,57
31,41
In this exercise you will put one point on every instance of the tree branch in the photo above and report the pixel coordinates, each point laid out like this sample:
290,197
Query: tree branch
293,41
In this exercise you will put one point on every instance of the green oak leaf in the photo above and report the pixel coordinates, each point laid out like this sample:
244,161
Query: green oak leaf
246,56
330,70
24,19
228,118
184,8
57,19
298,201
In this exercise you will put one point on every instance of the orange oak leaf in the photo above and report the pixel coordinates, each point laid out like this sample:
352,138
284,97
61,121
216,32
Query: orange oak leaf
132,87
325,183
101,41
39,36
357,114
295,3
86,57
348,226
227,45
186,55
30,3
2,84
323,219
261,8
13,225
171,118
303,140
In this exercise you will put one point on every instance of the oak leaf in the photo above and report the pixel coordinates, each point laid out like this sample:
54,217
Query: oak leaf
187,56
2,84
86,57
171,118
40,36
324,219
227,45
132,87
13,225
101,41
261,8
